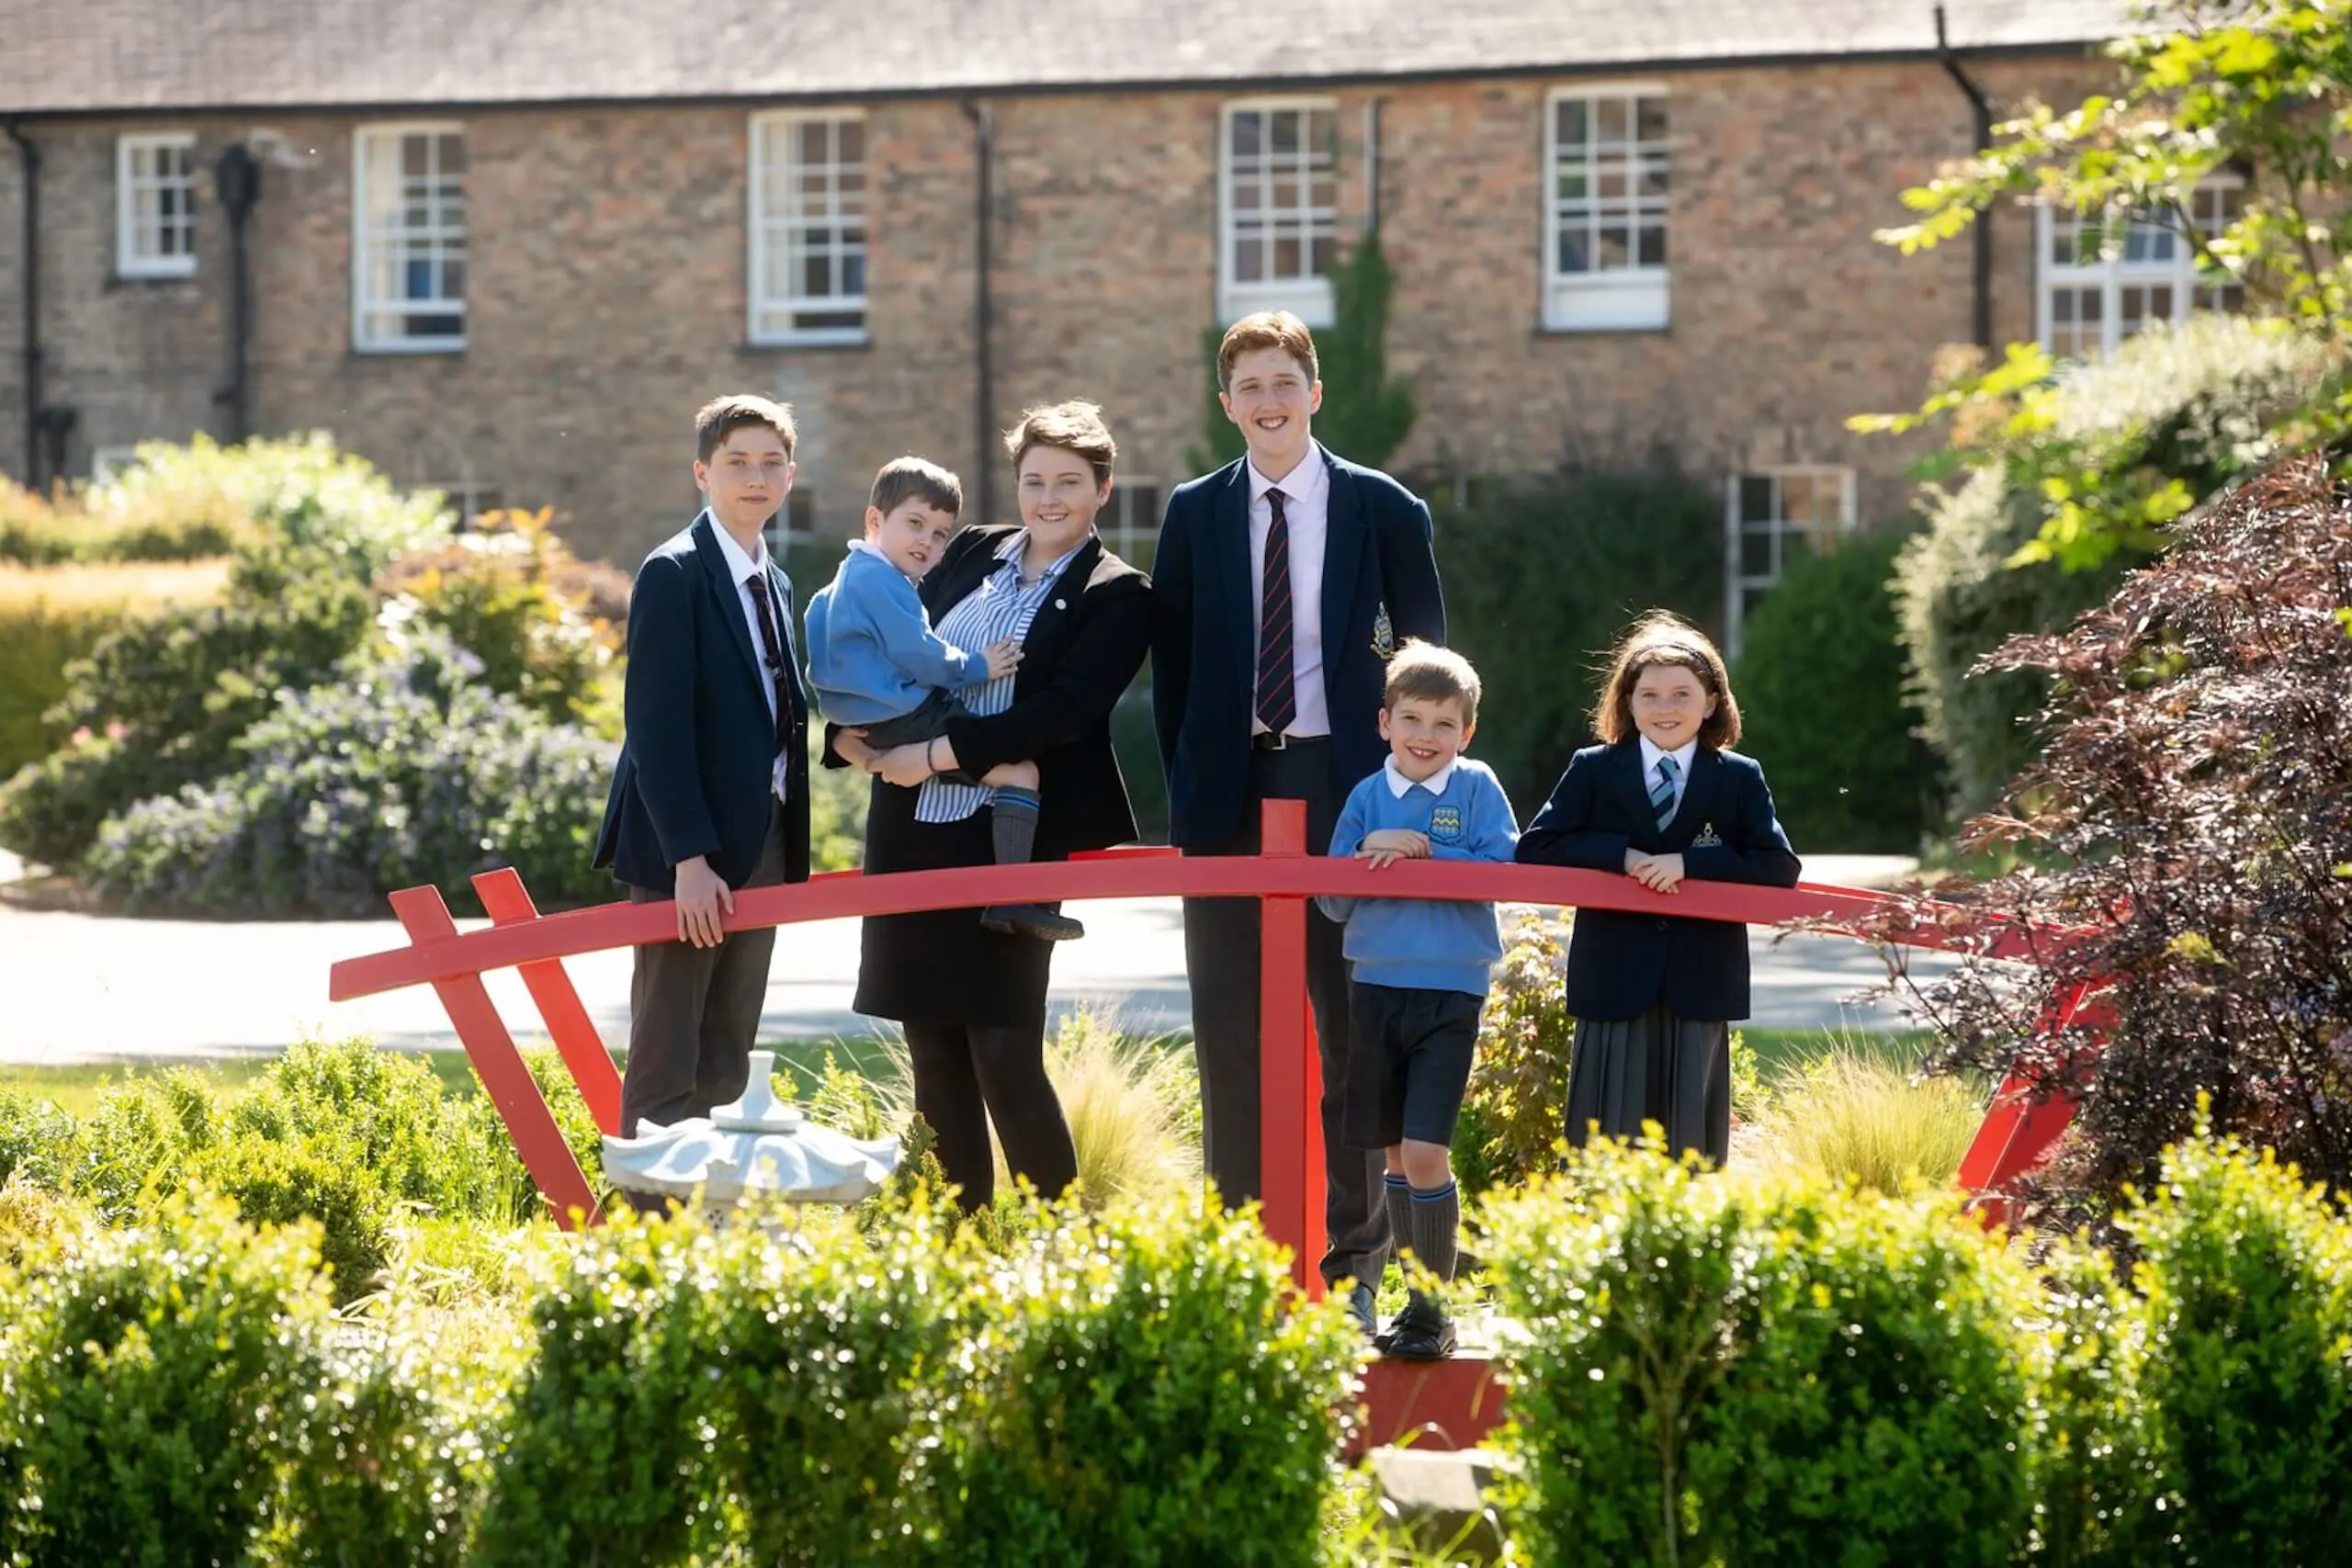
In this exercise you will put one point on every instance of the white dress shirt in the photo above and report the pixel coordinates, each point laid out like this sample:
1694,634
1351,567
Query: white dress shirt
1307,496
1684,756
742,568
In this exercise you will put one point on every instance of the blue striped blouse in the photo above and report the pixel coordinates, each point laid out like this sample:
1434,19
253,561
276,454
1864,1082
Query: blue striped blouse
1001,606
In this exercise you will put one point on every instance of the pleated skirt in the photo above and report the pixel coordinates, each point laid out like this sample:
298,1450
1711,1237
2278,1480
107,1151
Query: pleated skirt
1655,1068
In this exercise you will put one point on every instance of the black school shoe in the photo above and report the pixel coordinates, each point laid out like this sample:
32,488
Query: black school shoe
1420,1333
1030,919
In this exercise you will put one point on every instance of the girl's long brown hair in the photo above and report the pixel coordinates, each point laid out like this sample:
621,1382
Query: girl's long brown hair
1662,637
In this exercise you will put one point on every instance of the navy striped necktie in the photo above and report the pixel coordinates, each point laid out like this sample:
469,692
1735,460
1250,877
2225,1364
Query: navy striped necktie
1662,793
1277,686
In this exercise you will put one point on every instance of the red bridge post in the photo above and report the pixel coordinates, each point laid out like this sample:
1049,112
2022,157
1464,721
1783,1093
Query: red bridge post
1290,1077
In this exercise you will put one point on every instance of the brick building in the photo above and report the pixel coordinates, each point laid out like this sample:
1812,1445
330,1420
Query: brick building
506,249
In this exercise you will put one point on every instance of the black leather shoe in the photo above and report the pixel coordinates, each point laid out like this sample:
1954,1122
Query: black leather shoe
1419,1334
1031,920
1387,1336
1363,1307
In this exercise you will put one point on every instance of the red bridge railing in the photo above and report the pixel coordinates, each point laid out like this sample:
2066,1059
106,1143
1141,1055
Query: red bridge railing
2016,1133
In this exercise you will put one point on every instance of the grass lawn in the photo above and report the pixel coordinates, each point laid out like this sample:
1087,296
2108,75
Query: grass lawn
1776,1048
76,1089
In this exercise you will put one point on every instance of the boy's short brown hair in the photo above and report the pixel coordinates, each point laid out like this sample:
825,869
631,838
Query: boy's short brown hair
1074,427
722,417
1431,675
915,478
1664,639
1267,329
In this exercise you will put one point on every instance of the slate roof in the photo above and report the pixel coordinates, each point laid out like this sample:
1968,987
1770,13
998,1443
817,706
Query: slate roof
59,57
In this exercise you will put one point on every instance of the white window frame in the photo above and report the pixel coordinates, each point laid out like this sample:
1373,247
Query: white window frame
108,463
1125,529
446,242
137,234
1738,582
1308,297
2112,276
770,316
1633,298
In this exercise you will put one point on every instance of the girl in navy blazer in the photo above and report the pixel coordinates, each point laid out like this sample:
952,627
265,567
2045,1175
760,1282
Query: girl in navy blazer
1654,994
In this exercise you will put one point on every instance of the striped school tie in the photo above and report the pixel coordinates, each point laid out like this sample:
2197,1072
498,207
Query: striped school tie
1662,793
1277,695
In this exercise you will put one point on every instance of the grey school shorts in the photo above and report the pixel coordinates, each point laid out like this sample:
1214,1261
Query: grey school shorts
1409,1064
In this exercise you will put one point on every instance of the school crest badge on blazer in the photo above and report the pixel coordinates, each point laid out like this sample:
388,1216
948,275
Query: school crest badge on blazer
1384,634
1445,823
1706,839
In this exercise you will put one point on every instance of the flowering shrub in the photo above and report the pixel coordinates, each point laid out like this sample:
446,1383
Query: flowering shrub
2135,439
402,770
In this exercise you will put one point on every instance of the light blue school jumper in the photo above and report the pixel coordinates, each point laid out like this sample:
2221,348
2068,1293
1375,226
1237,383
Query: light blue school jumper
1426,944
872,654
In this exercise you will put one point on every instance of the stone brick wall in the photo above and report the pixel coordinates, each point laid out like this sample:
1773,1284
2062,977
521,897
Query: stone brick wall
608,282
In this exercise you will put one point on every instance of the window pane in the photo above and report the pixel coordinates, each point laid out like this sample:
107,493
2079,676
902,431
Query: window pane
1247,133
1756,499
453,279
1575,251
1756,551
1574,187
416,152
1613,249
1572,125
1326,255
1611,119
849,141
1653,251
451,151
1649,119
1612,183
1285,130
854,273
1249,261
816,142
1287,257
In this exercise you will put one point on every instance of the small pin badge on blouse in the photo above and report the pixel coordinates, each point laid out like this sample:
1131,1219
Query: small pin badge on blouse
1062,604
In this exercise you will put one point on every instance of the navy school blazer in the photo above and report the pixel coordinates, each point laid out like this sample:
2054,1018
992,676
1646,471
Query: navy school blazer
695,771
1379,587
1622,963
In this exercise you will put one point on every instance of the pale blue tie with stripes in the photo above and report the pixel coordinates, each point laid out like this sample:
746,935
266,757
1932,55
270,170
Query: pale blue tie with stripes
1662,793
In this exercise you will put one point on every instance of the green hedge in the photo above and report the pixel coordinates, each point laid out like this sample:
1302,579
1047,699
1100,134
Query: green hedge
1540,574
1820,678
156,1380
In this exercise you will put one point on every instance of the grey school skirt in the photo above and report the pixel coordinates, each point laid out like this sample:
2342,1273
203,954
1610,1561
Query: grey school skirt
1655,1068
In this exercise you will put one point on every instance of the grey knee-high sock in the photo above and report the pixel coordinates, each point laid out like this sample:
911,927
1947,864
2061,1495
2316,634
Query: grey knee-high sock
1436,1218
1014,816
1400,1214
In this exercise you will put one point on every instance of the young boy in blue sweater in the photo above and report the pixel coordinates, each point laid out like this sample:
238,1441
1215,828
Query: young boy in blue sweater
878,668
1418,966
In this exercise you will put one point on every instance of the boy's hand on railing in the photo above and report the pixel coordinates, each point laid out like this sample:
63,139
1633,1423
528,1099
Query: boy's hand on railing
1004,657
1659,873
702,896
1389,845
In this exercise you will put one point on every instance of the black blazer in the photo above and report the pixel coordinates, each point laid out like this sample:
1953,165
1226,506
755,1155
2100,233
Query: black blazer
1619,964
695,773
1379,587
1087,642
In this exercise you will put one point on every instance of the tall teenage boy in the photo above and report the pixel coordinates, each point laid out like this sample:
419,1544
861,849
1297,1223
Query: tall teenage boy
1283,583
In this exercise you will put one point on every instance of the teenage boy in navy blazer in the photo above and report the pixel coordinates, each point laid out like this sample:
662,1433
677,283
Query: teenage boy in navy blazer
711,793
1283,582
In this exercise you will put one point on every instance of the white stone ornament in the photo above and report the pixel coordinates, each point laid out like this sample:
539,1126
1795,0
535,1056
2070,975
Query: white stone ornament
758,1147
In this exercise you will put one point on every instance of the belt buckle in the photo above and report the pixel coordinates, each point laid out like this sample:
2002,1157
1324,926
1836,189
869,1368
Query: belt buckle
1272,740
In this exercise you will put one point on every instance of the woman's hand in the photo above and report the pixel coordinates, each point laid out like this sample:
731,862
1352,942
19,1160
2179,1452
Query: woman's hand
1660,873
905,766
1389,845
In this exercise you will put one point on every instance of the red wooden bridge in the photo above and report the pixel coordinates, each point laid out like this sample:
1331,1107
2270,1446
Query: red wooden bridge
1449,1403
